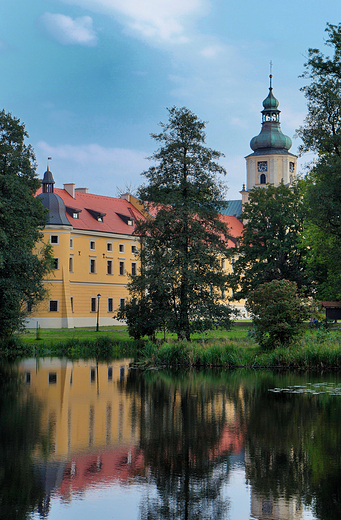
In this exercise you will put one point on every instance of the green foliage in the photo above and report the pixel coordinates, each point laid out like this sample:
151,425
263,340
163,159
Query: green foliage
181,278
24,260
321,133
270,247
277,312
141,317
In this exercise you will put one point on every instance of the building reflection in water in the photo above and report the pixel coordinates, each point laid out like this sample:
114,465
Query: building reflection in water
87,421
101,429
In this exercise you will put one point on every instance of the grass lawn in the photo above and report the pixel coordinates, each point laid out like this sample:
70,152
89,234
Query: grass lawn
118,333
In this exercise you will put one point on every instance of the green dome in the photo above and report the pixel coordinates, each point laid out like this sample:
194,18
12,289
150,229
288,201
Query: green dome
271,136
270,102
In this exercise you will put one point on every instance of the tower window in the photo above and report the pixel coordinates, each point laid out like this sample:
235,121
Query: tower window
291,167
262,179
54,239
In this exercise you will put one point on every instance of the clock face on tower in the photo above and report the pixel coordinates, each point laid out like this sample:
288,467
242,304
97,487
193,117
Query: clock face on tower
262,166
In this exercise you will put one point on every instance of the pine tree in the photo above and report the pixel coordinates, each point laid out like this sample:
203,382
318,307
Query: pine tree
182,278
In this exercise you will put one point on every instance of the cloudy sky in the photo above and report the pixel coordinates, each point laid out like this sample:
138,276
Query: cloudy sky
91,79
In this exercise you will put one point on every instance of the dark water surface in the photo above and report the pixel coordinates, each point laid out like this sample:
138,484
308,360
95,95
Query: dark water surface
84,440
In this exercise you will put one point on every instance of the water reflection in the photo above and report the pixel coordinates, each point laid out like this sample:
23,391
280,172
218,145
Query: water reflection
218,445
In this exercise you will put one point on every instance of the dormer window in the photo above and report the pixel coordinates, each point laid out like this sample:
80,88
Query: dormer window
127,219
98,215
73,212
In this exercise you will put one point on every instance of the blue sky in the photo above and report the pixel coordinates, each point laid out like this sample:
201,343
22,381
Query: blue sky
91,79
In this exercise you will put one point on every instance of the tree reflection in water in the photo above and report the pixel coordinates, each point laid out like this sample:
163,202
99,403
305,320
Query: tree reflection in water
293,445
182,425
21,489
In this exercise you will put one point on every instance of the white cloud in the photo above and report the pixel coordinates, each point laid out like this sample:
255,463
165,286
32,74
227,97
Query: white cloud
93,166
211,51
68,31
162,20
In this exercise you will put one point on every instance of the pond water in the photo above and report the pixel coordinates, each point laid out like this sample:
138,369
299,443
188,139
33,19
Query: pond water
80,440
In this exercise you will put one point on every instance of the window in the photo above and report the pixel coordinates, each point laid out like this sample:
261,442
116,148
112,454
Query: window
54,239
92,375
92,245
110,304
52,378
71,243
100,219
75,215
110,371
56,263
291,167
121,248
122,303
71,301
133,268
109,246
109,266
93,304
71,264
262,179
92,266
121,268
53,305
134,250
28,378
130,222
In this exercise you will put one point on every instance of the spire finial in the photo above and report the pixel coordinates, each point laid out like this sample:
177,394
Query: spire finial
48,164
270,75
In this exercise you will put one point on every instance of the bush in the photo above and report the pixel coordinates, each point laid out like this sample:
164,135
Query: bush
277,313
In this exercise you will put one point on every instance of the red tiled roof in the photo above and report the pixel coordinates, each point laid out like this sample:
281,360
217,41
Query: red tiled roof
234,225
116,212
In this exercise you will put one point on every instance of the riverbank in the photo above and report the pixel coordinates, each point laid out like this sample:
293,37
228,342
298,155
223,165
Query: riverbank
318,349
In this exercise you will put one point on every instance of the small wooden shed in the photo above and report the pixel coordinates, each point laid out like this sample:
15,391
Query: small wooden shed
333,310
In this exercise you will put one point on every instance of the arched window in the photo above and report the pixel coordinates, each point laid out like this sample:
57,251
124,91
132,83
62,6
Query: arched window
263,179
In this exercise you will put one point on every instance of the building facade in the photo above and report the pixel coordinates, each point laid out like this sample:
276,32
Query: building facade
94,252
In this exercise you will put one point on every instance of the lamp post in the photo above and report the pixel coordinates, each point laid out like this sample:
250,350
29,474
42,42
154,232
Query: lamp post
98,297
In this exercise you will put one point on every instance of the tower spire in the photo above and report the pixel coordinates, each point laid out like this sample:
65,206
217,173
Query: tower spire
270,75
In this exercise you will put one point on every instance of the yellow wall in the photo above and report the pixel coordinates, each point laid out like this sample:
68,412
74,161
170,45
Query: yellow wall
80,283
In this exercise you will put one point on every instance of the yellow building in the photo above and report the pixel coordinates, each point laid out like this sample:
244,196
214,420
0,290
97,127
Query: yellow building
94,252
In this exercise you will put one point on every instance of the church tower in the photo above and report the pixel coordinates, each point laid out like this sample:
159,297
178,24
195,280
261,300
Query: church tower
271,162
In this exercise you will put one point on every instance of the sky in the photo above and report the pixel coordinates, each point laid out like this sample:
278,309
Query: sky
92,79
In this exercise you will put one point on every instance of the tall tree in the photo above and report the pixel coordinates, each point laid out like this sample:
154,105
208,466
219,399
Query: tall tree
270,246
182,275
321,133
24,260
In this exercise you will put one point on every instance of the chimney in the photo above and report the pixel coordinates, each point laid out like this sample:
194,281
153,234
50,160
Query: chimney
70,189
82,190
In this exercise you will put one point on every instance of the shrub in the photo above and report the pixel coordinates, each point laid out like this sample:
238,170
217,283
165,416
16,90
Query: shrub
277,313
